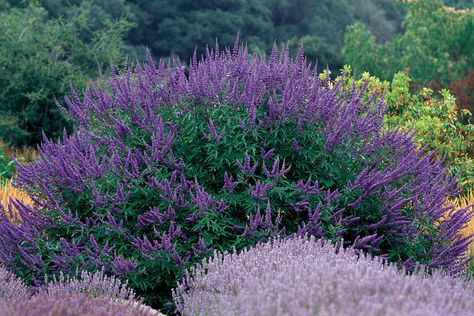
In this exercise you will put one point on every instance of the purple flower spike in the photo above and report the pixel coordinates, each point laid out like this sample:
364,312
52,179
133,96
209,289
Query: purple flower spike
245,167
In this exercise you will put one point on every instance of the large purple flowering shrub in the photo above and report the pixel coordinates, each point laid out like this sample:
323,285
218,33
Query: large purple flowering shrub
300,276
163,167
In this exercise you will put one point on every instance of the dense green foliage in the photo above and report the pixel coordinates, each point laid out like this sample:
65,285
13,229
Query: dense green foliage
39,59
434,117
435,49
460,4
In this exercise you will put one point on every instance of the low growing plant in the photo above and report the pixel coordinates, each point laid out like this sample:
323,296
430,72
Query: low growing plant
89,294
301,276
11,286
163,168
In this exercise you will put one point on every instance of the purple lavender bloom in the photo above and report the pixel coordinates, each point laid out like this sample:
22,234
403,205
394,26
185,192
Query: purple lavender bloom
307,188
73,305
259,190
296,146
98,284
267,154
200,247
301,276
11,286
89,294
123,267
212,130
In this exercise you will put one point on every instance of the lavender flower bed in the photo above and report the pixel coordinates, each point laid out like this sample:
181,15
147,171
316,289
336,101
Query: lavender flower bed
300,276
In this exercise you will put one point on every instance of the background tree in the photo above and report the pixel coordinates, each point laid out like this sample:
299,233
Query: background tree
40,58
171,28
436,48
320,25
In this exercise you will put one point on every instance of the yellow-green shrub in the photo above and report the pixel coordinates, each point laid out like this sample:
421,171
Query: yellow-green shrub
435,118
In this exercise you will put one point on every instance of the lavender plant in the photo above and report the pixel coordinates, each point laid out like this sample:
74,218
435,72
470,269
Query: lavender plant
163,168
90,294
11,286
71,305
300,276
94,284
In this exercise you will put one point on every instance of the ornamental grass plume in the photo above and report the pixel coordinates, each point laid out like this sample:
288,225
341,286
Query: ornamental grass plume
463,202
8,156
8,195
164,167
24,154
301,276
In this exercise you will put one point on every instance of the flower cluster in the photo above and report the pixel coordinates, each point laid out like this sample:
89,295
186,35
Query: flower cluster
163,167
301,276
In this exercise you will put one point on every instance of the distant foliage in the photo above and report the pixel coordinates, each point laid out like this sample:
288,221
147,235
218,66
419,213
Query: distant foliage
176,28
435,118
163,168
300,276
463,89
40,58
460,4
436,48
7,164
8,157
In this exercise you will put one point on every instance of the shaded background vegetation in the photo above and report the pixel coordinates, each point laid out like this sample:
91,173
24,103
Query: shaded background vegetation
48,44
176,28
